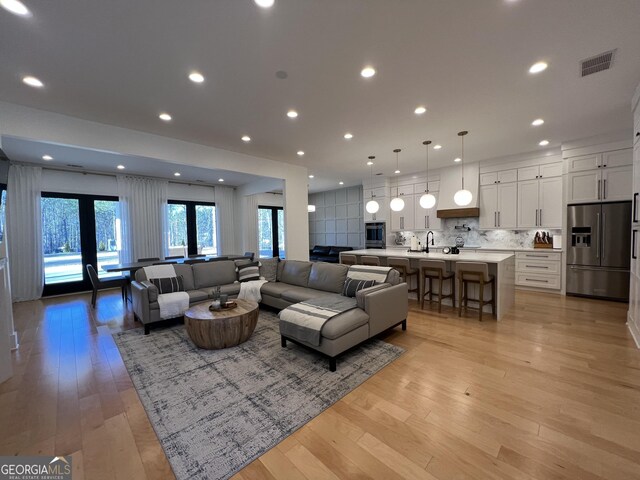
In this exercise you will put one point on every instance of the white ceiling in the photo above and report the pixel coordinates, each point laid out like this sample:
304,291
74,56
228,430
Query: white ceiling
123,62
67,157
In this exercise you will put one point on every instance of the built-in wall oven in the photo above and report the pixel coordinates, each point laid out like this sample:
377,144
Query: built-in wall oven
375,235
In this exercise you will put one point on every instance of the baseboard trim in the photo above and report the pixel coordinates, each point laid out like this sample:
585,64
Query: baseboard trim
635,333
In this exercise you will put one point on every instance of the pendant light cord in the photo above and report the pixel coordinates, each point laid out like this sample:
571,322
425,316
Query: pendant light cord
427,143
461,135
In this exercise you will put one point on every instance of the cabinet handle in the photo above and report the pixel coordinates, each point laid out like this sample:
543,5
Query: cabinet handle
498,218
428,221
425,222
635,207
495,219
536,266
536,280
536,217
633,244
604,188
540,217
598,187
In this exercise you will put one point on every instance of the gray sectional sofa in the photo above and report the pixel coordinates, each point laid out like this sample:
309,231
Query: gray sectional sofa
380,307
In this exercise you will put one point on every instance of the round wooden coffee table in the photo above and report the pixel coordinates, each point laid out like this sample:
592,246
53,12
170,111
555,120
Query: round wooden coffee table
222,328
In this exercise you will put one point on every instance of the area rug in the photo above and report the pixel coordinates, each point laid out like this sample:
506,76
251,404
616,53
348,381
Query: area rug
215,411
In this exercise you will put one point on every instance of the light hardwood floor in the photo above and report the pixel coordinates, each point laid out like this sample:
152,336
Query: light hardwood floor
551,392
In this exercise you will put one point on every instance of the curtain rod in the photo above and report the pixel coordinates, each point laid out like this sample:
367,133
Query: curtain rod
114,175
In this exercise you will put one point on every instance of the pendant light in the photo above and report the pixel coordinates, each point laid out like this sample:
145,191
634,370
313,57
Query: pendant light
372,206
397,203
462,197
427,200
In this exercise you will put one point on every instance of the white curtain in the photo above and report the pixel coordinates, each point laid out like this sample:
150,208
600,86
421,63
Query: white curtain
251,224
225,197
24,232
143,217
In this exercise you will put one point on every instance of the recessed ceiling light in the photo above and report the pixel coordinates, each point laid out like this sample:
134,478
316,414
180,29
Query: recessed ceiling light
348,136
264,3
414,177
538,67
177,174
300,153
196,77
165,116
310,176
221,179
32,81
368,72
246,138
292,114
537,122
457,159
16,7
369,163
420,110
340,183
437,147
397,171
544,143
120,167
47,157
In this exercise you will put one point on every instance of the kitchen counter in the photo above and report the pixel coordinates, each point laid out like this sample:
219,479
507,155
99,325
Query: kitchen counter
475,247
501,265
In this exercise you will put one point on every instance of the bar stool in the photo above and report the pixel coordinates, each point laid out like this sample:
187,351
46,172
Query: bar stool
347,259
403,266
370,260
475,273
436,270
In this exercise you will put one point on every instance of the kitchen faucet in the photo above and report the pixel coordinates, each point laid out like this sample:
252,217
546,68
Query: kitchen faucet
427,242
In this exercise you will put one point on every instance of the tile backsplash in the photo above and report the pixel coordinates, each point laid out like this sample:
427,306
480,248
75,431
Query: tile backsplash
476,237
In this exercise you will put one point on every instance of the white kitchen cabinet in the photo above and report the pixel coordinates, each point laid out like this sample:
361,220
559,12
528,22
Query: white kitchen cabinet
488,178
550,202
404,219
528,193
604,184
540,203
540,171
502,176
382,214
617,158
426,218
498,206
488,206
617,183
585,162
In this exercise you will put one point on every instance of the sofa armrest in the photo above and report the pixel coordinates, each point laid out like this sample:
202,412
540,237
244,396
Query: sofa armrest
386,307
362,294
140,295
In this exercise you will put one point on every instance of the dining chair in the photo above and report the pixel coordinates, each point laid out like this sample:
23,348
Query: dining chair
475,273
435,272
347,259
370,260
98,284
403,266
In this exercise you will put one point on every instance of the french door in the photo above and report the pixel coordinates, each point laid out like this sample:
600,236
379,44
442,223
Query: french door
271,232
3,203
78,230
192,228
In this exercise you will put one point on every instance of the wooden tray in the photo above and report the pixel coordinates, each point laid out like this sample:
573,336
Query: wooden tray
227,306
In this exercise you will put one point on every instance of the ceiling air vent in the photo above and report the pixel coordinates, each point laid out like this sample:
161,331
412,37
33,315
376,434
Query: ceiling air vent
597,64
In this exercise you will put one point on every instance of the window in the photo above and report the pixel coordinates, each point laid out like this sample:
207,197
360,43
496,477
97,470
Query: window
192,228
271,232
3,203
78,230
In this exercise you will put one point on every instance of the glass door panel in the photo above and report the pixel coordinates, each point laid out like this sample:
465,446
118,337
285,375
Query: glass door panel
177,219
61,240
265,232
3,203
281,249
107,236
206,229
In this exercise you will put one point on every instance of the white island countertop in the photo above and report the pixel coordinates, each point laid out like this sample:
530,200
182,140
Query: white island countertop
462,256
501,265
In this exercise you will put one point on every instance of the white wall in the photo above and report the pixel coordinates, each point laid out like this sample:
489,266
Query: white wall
29,123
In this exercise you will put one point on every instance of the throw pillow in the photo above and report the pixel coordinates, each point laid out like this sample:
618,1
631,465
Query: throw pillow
352,286
249,271
169,284
269,268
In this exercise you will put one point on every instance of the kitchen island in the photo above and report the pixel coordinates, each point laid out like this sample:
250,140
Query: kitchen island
501,265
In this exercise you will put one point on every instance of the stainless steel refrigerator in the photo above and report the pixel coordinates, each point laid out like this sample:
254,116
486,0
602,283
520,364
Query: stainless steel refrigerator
598,250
